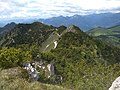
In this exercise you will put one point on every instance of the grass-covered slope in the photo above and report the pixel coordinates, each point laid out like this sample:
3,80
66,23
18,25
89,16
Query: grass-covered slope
109,35
11,79
50,42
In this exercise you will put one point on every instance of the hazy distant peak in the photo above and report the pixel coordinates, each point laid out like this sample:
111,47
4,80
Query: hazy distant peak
10,24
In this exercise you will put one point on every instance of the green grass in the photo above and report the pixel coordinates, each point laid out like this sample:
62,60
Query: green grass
104,31
98,31
10,79
109,35
50,41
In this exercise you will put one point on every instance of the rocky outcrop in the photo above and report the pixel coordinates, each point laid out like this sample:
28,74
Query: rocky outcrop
116,84
73,29
55,43
35,69
50,69
33,73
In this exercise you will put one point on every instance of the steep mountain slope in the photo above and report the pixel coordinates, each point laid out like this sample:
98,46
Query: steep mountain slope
83,62
26,34
109,35
7,27
86,22
43,35
86,48
49,37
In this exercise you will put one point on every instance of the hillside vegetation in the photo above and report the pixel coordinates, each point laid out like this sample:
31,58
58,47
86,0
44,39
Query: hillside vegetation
108,35
83,62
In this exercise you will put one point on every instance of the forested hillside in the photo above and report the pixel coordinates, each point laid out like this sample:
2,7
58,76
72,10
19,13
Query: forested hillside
80,61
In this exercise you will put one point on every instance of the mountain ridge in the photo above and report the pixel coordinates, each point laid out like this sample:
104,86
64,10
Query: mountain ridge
86,22
7,27
45,36
81,61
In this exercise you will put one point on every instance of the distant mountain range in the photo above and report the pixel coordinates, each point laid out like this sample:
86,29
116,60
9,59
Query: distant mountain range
17,21
86,22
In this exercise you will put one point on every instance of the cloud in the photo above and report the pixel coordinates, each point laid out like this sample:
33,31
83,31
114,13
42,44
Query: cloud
48,8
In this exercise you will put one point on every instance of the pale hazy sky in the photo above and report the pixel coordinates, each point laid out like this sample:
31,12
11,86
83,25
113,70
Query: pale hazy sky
50,8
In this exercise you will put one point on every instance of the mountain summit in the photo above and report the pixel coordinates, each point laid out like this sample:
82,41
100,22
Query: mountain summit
7,27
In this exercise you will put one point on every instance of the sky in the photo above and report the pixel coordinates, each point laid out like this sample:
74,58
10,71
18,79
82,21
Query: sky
11,9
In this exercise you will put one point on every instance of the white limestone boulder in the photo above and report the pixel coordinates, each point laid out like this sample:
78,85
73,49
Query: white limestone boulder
116,84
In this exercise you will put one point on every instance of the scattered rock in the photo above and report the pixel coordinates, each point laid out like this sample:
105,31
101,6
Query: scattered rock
55,44
33,73
50,69
116,84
